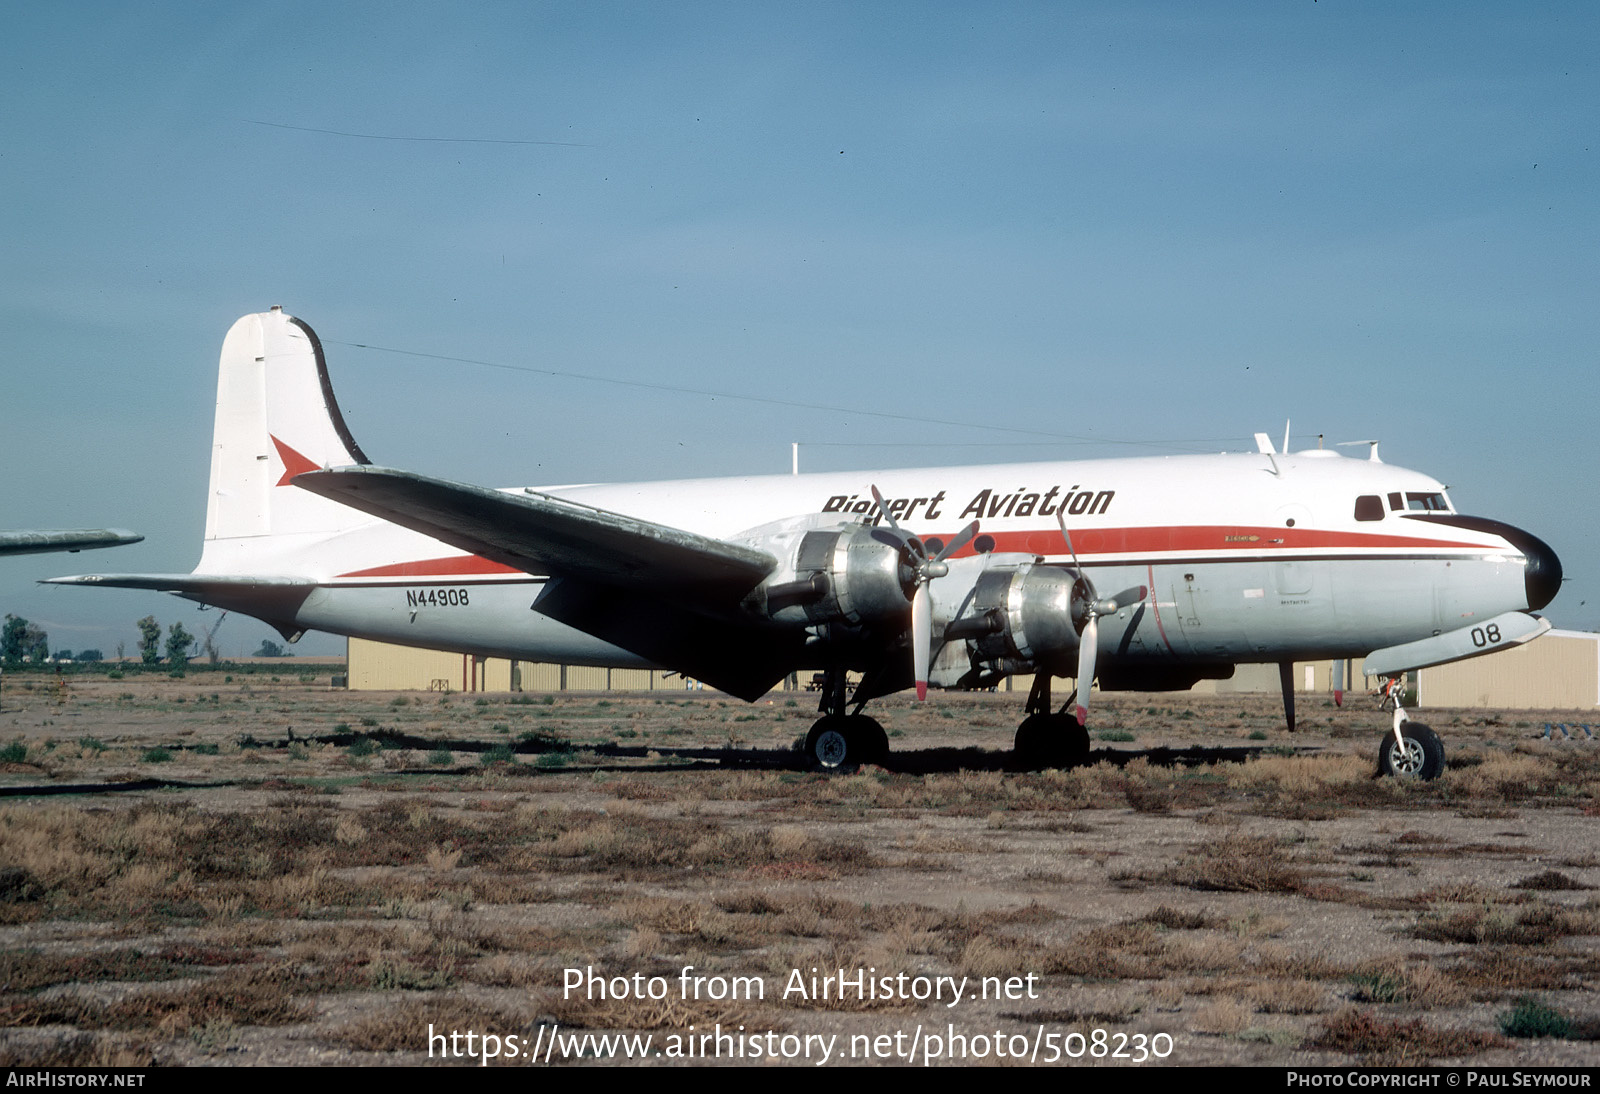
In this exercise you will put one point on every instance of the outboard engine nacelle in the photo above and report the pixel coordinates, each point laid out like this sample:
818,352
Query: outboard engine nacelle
1020,620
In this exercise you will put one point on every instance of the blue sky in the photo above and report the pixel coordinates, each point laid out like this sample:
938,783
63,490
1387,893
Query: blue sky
1171,224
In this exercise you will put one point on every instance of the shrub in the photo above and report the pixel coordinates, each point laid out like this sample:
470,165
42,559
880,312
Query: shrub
1531,1018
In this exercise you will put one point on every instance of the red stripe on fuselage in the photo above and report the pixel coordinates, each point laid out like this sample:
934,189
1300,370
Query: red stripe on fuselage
1188,538
1089,541
460,566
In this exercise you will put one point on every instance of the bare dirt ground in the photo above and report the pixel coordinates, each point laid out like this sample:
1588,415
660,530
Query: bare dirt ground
262,870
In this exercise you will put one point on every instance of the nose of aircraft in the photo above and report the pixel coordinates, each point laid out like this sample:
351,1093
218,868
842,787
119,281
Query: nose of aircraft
1543,573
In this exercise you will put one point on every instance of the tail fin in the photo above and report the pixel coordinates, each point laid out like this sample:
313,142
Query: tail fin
276,418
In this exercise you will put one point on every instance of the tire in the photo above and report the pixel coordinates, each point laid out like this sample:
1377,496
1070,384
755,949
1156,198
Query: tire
832,746
1074,741
1032,744
1421,758
872,742
1051,740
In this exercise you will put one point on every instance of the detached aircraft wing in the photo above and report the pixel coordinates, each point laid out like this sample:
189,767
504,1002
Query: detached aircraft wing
668,595
41,542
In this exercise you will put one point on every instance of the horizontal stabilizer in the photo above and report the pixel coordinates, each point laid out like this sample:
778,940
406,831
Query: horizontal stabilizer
1501,632
80,539
271,599
545,535
182,584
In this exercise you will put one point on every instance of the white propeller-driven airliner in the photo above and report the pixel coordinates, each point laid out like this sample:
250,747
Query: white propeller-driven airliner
953,576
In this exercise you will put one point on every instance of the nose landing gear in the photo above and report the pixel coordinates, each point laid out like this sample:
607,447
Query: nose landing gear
1411,750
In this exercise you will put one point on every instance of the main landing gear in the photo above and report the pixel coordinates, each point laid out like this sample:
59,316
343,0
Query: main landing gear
1411,750
839,741
1049,738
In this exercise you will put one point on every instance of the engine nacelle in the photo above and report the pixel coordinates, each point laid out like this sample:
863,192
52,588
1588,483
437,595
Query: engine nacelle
1020,620
857,575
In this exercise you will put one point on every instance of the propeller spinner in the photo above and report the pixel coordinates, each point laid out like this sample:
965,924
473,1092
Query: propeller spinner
1087,608
923,570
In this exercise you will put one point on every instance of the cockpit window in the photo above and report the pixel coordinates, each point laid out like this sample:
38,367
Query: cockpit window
1426,503
1369,507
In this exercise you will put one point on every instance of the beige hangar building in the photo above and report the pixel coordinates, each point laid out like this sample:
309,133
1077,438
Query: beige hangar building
1557,671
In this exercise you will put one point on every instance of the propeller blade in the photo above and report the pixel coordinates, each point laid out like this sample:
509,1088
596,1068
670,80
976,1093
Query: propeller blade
1066,535
883,508
1088,646
962,538
1083,587
1111,605
921,637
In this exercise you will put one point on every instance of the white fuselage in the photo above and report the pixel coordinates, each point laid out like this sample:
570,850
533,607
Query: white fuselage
1247,557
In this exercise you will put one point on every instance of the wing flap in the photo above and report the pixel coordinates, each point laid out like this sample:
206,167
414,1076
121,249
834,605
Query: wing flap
740,659
541,534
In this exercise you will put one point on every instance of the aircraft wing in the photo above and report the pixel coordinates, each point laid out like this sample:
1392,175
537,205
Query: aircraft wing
668,595
36,543
541,534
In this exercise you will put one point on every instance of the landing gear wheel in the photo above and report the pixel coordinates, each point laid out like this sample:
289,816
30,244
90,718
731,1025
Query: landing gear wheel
873,741
1051,740
1420,756
1074,741
833,746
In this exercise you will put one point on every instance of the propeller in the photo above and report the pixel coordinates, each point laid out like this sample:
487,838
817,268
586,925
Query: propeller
1087,608
923,570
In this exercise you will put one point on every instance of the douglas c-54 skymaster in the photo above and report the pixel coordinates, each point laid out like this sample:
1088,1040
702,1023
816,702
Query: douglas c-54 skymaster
947,576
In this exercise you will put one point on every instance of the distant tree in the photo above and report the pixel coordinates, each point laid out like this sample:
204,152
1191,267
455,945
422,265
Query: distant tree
149,640
21,640
90,654
11,639
63,655
269,648
178,643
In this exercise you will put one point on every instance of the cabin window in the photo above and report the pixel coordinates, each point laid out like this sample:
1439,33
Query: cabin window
1369,507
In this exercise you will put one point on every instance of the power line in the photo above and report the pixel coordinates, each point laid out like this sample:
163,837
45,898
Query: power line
1056,438
388,137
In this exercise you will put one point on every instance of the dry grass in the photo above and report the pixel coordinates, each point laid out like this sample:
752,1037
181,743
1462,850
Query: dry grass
1240,863
206,924
1396,980
1532,925
402,1025
1380,1043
